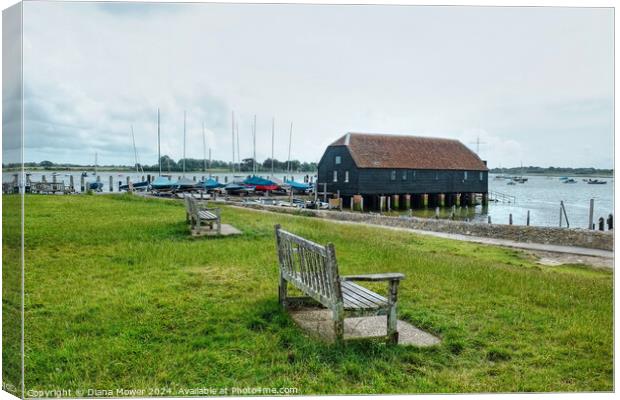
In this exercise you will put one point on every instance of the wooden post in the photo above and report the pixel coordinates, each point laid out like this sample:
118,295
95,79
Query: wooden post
610,222
54,178
437,212
509,219
601,224
489,219
82,184
396,201
362,204
485,199
381,203
408,201
527,222
591,214
325,193
43,179
560,215
351,203
389,205
442,199
425,200
127,179
111,183
71,183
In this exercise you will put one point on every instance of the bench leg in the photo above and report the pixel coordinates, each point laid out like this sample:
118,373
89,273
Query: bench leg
338,317
392,332
392,320
282,292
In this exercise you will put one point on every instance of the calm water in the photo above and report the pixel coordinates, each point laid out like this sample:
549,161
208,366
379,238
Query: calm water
540,195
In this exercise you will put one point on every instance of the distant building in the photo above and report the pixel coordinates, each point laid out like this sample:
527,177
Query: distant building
428,171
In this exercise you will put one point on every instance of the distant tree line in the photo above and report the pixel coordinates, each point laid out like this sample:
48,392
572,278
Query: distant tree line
191,165
552,171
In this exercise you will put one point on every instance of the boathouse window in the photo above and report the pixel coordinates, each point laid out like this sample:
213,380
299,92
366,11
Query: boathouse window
413,174
335,176
338,160
404,177
346,176
393,175
436,176
465,175
481,176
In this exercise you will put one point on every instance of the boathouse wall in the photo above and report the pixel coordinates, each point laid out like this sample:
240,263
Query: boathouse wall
349,180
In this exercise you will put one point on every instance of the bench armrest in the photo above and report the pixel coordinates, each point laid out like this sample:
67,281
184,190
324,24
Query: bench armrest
390,276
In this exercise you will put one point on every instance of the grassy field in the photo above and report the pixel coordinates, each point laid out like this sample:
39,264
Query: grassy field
119,296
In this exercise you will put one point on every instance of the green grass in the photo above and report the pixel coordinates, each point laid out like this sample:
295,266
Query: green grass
119,296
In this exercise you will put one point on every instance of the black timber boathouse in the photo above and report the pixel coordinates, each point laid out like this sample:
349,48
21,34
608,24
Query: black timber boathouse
381,171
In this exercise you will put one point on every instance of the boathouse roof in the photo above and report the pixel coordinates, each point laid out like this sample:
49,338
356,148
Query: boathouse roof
372,150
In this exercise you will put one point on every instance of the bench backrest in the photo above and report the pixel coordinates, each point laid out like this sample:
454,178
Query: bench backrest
309,266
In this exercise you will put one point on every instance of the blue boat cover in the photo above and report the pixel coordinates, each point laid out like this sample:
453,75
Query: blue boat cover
163,182
211,184
258,181
299,185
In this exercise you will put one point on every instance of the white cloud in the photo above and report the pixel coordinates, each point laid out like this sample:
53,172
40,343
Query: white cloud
533,78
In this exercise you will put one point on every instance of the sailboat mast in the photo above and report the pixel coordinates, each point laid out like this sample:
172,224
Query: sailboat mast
95,163
238,152
184,124
273,133
158,143
204,149
290,140
135,152
232,119
254,152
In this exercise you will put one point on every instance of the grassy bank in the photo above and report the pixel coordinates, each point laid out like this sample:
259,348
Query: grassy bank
118,296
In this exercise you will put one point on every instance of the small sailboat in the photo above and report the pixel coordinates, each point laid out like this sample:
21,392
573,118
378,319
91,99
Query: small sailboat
299,186
569,180
235,188
260,184
163,183
96,186
596,182
210,184
138,185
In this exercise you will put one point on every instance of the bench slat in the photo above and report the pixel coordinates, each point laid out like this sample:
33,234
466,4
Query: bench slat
367,293
208,215
356,296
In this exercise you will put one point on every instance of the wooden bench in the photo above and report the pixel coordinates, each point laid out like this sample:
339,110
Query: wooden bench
198,216
313,269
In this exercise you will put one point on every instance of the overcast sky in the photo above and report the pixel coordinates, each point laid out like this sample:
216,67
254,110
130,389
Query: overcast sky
535,84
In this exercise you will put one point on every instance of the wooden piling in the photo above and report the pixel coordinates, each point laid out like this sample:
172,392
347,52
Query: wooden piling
610,222
591,214
381,203
442,199
489,219
408,202
71,186
527,221
509,219
82,183
389,205
111,183
396,201
437,212
601,224
43,179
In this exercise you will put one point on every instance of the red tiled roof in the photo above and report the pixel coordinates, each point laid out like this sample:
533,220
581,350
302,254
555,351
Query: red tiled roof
413,152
